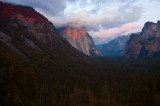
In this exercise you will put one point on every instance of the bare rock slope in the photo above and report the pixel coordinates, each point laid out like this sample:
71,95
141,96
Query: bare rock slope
80,39
146,44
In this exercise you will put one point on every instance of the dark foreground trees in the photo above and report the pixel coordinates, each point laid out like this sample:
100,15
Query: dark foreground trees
106,82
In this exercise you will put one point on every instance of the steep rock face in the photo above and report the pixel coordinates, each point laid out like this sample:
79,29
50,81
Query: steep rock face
32,21
134,46
151,49
116,47
146,44
80,39
25,24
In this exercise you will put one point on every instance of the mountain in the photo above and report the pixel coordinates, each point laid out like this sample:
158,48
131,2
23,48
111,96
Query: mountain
151,29
31,20
116,47
78,37
23,27
146,44
38,67
35,60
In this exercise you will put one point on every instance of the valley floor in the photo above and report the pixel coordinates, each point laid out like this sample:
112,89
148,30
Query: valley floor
103,82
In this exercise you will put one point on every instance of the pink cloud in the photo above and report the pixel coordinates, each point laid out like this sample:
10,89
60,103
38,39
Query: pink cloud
113,32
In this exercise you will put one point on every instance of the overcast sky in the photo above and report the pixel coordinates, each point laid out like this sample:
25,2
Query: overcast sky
104,19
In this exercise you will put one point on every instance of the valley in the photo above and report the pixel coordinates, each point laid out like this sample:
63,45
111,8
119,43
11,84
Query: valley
41,65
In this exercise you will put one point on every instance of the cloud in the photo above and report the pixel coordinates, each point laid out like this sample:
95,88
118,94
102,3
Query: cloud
103,18
49,7
96,15
154,0
105,35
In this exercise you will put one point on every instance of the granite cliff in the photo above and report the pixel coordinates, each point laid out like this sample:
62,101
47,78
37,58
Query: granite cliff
80,39
146,44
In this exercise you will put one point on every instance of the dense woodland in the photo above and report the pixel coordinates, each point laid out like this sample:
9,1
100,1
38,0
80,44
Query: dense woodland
104,82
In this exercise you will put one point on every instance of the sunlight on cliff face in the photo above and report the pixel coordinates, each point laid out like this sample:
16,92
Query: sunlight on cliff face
27,14
75,32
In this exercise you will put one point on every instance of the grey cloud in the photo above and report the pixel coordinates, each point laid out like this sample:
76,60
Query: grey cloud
127,12
100,16
154,0
50,7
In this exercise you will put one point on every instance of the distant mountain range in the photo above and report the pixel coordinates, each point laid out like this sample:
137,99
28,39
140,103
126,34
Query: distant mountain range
145,44
115,47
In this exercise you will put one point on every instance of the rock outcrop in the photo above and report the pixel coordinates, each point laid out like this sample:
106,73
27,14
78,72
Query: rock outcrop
80,39
146,44
116,47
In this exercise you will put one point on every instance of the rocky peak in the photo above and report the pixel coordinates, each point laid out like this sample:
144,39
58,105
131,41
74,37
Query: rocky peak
146,44
78,37
151,29
158,24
